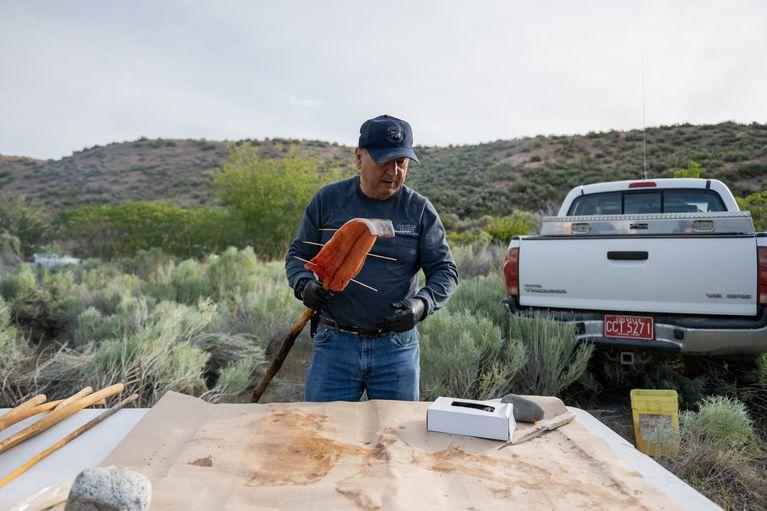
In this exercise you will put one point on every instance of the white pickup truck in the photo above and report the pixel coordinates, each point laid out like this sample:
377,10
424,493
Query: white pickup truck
664,265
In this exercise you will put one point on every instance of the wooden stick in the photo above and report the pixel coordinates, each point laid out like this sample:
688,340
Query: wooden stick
58,445
75,397
371,254
58,415
279,358
27,412
334,229
18,410
363,285
350,280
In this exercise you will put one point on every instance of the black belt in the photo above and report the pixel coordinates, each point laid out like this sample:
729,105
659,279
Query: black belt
353,329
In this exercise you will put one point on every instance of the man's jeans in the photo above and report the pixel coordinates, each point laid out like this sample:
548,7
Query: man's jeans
344,365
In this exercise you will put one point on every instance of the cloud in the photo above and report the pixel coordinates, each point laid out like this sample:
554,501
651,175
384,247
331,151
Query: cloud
81,73
312,104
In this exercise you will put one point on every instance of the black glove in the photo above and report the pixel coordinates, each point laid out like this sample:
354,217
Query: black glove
314,296
407,314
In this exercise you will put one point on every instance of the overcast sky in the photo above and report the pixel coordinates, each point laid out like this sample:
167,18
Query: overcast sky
78,73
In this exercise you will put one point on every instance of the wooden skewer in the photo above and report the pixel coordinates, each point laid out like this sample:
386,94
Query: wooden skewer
11,417
75,397
27,412
350,280
58,415
58,445
363,285
371,254
332,229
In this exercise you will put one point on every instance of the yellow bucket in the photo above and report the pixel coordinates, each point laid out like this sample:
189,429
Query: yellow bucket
656,421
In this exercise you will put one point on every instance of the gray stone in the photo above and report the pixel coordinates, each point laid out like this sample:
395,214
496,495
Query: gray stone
525,410
109,489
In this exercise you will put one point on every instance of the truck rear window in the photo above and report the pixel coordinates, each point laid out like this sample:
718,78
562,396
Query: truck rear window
647,201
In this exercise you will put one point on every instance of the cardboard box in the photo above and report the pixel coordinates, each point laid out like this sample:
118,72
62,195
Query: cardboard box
483,419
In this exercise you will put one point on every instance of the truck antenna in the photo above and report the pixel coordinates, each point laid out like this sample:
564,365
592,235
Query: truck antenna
644,136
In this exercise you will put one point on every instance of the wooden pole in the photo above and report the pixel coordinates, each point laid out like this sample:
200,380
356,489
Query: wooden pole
18,410
6,422
75,397
58,415
27,412
279,358
58,445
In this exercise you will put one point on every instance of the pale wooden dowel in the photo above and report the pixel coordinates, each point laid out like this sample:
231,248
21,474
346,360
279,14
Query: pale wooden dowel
75,397
30,411
29,403
79,431
58,415
371,254
350,280
26,413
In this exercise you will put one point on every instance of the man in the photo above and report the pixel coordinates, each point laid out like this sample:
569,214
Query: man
368,340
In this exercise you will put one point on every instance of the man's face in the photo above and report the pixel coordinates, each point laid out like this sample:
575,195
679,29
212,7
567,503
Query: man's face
380,180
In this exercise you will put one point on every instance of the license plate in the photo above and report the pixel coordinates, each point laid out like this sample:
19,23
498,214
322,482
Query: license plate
629,327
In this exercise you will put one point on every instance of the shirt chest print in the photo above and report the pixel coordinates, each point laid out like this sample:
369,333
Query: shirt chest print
406,229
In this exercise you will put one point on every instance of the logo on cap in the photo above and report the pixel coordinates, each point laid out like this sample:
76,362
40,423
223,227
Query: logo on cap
394,134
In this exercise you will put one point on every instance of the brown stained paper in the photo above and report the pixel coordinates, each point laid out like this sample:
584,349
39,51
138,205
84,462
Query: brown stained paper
364,456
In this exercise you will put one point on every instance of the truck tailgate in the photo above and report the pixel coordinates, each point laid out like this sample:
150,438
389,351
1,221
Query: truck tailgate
665,274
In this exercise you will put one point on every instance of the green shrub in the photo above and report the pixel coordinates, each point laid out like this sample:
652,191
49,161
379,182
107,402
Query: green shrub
468,237
466,356
555,359
19,286
10,249
233,380
232,273
481,296
117,230
16,357
693,170
720,455
502,229
761,372
757,205
220,277
27,221
722,420
264,314
150,354
88,323
476,259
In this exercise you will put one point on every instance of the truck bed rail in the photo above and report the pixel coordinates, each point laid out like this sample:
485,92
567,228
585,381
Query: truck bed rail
727,222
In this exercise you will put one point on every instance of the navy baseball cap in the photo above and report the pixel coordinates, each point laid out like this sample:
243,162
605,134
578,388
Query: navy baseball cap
387,138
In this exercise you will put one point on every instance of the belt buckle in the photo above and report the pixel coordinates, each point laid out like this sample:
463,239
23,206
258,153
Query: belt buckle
373,334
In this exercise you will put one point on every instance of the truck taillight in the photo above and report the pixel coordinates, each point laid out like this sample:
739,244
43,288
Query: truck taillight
762,269
511,271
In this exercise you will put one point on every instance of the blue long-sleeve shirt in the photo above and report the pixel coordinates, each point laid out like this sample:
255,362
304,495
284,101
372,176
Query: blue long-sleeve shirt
419,243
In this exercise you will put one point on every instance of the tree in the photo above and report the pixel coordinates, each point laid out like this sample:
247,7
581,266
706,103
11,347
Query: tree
693,170
269,195
501,229
757,204
27,221
109,231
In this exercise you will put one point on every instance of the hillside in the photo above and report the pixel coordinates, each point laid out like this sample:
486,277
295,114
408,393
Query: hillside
530,173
